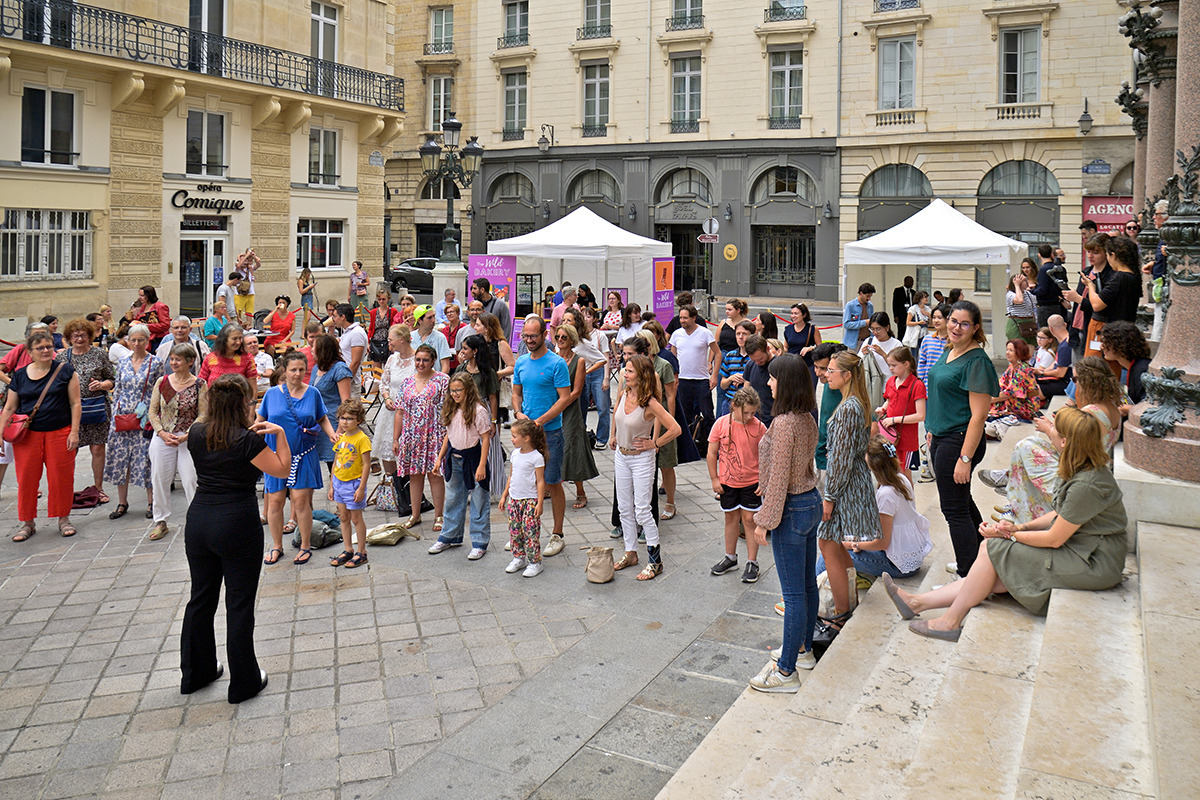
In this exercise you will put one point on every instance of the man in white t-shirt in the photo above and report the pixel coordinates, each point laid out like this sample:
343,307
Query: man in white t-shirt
181,333
353,343
263,362
699,361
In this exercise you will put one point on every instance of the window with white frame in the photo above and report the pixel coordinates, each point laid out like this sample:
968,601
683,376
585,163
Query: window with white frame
787,84
595,100
1020,57
439,100
324,31
442,25
322,157
36,243
597,14
897,72
47,126
687,9
516,99
319,243
435,189
206,144
516,18
685,94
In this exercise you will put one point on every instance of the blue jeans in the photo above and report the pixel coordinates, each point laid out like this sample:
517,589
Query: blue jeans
456,509
722,403
593,387
870,562
554,456
794,544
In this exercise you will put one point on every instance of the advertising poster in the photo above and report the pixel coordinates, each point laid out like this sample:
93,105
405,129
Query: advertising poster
501,271
664,289
1109,213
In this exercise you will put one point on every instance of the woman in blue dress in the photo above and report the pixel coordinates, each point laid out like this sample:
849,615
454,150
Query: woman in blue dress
298,409
333,379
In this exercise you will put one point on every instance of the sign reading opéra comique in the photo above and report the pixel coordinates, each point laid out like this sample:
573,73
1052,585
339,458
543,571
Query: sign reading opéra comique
182,199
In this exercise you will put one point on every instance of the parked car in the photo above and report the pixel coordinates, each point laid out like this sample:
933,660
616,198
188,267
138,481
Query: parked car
412,276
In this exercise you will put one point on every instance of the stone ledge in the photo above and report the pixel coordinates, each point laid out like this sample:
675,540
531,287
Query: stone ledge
1153,498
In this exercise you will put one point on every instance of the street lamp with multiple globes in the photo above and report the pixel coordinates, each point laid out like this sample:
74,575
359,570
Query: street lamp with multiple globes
447,163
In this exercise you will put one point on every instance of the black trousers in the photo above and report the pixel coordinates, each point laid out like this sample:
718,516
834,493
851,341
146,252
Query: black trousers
695,400
1052,387
223,541
1047,311
958,507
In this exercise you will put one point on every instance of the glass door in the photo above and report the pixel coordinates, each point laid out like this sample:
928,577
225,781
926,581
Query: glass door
201,271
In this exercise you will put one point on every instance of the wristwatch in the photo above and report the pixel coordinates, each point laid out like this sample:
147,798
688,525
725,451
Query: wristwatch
965,459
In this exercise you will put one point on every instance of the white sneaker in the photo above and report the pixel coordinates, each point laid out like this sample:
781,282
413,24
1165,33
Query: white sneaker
996,478
533,569
439,546
516,565
772,681
508,546
553,547
805,660
952,567
476,554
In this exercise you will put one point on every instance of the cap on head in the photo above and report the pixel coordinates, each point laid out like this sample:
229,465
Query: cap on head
421,311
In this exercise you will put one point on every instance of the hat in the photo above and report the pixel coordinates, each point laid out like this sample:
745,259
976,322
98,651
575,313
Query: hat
421,311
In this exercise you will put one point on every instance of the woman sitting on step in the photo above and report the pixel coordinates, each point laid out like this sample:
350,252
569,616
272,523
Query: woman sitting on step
1079,545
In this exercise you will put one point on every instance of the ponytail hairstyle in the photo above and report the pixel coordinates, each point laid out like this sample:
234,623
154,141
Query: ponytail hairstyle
534,433
856,385
885,466
469,403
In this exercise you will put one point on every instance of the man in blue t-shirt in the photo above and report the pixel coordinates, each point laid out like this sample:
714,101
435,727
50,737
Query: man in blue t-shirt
541,390
1053,380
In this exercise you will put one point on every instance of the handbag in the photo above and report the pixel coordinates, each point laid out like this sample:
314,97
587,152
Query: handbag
599,566
384,495
95,412
124,423
1026,327
18,424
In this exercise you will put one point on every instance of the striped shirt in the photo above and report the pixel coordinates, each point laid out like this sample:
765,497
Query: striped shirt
732,362
1015,309
931,351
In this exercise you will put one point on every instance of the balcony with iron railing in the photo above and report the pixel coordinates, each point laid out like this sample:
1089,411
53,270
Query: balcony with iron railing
595,131
685,126
896,5
512,40
513,134
439,48
593,32
88,29
784,122
779,13
685,22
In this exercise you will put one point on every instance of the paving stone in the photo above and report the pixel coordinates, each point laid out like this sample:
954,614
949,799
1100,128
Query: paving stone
593,773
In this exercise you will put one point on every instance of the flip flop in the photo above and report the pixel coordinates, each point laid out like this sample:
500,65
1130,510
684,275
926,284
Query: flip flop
303,556
270,559
103,498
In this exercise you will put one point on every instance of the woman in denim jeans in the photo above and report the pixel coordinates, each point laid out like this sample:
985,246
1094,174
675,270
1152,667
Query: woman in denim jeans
791,509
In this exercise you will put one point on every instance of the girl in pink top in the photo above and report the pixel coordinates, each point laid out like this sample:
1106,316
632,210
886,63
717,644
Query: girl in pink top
733,468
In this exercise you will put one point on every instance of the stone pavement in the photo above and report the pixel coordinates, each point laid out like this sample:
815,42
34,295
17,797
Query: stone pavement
416,676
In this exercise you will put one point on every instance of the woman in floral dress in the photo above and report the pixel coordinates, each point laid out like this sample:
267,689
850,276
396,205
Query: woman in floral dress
127,456
1020,395
396,370
419,433
96,379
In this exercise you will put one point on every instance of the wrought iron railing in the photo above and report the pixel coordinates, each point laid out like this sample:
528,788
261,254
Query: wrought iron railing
512,40
784,122
778,13
593,32
896,5
439,48
685,126
198,169
595,130
513,134
323,178
61,23
34,155
683,22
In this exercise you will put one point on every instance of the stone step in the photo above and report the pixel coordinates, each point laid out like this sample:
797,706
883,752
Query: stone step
1170,606
1088,731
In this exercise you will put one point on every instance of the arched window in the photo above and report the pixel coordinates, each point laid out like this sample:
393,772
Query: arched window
684,185
435,190
594,186
896,180
784,183
512,187
1019,179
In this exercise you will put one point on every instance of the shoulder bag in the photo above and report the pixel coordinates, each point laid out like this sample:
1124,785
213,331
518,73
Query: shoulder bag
124,423
18,424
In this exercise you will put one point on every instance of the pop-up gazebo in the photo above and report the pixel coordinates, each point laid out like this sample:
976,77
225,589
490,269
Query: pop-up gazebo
936,236
584,248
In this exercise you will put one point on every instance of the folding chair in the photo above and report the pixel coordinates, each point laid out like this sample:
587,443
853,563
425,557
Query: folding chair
372,397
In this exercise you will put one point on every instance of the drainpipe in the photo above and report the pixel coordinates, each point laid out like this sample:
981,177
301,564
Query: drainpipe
649,43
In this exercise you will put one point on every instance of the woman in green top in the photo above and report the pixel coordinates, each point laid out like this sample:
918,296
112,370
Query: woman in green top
1079,545
961,386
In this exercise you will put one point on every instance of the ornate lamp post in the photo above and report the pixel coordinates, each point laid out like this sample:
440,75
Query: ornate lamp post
446,162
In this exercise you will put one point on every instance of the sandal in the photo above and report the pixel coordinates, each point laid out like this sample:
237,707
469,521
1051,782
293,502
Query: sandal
341,559
668,513
122,509
27,530
411,522
158,531
358,560
628,560
580,501
303,556
149,510
289,528
66,528
271,557
437,524
103,497
651,571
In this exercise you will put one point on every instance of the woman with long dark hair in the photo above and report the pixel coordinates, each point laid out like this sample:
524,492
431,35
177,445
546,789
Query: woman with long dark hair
229,357
801,337
223,538
476,360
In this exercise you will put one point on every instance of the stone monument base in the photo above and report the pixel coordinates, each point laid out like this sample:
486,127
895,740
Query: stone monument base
1151,498
1176,455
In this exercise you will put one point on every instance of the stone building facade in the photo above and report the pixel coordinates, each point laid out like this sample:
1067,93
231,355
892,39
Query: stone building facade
158,140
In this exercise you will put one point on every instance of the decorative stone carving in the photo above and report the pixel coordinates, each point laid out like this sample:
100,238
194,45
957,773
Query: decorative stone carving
1132,102
1173,395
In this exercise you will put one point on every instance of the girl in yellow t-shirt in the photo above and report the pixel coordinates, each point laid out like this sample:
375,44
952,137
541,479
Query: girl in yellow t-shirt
351,455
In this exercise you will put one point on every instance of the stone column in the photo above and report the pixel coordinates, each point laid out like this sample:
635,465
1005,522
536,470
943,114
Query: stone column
1187,72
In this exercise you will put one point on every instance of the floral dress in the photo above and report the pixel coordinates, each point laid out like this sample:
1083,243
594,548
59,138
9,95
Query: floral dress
423,429
1020,384
1033,477
848,480
395,371
127,457
92,366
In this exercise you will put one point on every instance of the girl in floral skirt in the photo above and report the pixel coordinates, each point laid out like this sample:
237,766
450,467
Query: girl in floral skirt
522,498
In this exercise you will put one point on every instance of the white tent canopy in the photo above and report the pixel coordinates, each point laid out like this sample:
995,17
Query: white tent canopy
584,248
936,236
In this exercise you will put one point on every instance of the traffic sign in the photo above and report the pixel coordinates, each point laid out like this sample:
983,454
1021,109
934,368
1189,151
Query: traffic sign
708,238
710,225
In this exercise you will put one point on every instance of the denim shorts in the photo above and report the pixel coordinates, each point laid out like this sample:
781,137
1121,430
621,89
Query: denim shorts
554,456
343,492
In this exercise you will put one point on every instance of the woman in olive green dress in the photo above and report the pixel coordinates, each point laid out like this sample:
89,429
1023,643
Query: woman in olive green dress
1079,545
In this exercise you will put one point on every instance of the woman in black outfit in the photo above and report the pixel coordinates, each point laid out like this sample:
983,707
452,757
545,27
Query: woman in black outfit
224,537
